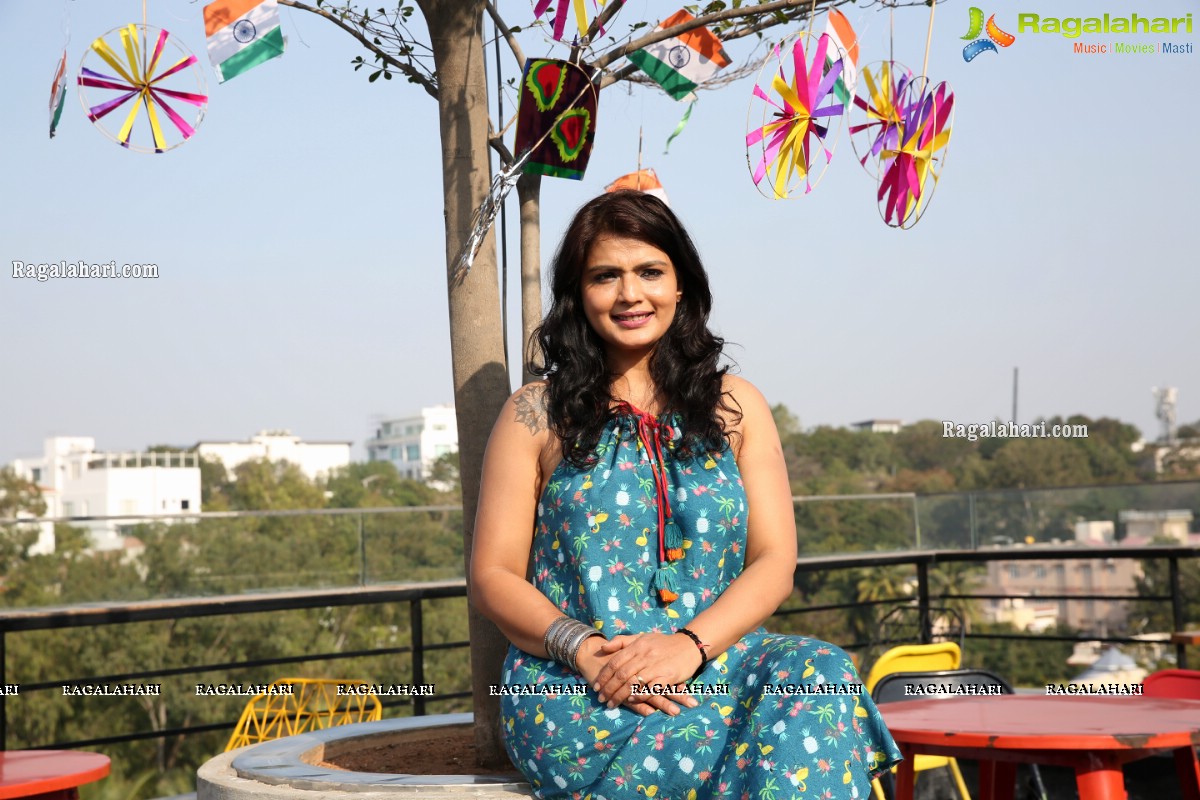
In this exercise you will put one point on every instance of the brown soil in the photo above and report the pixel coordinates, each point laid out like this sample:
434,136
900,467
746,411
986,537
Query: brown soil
436,754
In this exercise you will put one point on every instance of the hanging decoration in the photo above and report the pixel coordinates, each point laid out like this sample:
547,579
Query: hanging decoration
910,170
241,35
58,93
556,118
485,216
684,61
644,180
558,12
146,62
790,124
911,161
875,113
845,42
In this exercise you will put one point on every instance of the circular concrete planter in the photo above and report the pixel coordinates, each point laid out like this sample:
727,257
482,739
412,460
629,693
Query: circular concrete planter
286,769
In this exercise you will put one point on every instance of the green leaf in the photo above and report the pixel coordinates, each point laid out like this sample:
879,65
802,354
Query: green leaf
375,76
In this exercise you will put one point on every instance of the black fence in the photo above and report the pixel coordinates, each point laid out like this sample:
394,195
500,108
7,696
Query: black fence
83,618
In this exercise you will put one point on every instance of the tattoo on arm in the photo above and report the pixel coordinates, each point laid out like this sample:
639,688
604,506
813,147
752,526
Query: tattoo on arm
531,408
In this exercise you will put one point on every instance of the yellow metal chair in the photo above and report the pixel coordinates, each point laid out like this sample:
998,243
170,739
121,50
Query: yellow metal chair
313,704
919,658
914,658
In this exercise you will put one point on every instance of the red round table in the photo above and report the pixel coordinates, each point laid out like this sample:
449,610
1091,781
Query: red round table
49,774
1094,735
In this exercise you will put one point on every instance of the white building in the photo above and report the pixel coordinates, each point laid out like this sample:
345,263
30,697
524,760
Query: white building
878,425
78,481
1149,525
315,459
413,443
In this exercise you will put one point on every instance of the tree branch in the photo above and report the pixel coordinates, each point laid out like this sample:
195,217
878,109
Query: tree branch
496,142
763,13
598,23
698,22
507,33
407,70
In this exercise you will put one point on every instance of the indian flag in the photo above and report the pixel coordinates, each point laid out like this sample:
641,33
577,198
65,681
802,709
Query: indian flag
241,35
837,28
683,62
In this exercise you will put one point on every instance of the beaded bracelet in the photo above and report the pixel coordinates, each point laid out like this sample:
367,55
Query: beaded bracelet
699,646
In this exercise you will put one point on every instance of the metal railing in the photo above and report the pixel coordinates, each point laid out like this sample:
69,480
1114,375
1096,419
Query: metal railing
82,618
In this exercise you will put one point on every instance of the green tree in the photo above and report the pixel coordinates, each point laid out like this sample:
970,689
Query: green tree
787,423
19,496
1036,463
1155,616
445,474
922,446
1026,663
261,485
215,484
375,484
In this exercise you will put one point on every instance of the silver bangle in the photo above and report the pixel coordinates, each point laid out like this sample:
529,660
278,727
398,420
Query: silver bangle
584,636
554,637
564,638
558,640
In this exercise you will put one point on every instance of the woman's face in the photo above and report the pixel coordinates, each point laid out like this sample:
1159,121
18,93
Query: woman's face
630,292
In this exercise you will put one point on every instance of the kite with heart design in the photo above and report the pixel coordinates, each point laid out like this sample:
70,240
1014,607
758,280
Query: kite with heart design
556,118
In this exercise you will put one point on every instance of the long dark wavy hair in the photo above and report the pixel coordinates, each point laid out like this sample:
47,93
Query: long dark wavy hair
686,362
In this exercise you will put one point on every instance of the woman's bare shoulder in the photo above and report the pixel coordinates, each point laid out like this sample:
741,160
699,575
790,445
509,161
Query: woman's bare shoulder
743,397
746,409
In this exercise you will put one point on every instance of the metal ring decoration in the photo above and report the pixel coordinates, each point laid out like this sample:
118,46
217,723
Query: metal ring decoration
145,66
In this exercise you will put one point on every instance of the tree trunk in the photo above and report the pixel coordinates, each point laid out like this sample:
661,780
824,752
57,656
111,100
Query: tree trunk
529,195
476,335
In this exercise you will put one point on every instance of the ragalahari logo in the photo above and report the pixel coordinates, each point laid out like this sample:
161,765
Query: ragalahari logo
995,36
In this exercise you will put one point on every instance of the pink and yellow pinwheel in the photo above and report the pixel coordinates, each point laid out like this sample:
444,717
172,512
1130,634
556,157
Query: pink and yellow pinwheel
796,116
876,113
142,79
560,10
909,170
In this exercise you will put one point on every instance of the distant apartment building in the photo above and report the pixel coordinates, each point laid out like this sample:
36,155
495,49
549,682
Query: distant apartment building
1029,580
878,425
315,459
76,480
413,443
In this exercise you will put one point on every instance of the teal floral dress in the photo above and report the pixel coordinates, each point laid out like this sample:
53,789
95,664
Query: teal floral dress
779,717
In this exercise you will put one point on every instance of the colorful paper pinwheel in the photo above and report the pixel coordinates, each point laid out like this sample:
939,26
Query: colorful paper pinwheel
796,115
58,93
909,171
559,13
140,80
876,114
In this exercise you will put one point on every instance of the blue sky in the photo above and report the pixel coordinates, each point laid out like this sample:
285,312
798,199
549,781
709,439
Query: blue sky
299,238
